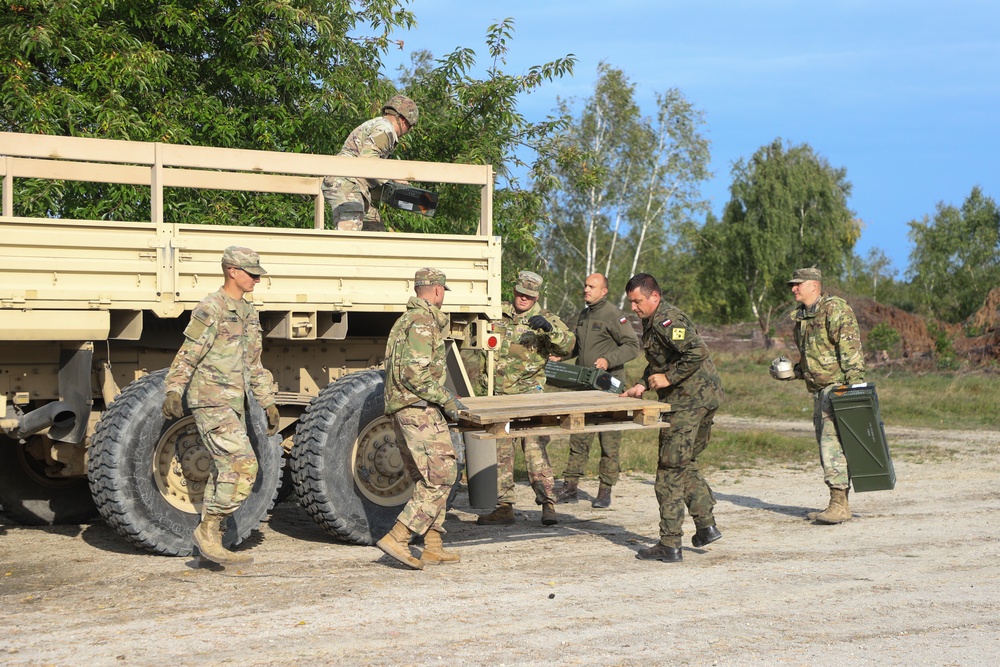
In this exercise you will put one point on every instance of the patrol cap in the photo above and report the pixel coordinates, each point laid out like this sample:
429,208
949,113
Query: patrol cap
243,258
428,276
802,275
528,283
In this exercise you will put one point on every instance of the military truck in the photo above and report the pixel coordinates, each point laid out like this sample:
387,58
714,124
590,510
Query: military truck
92,313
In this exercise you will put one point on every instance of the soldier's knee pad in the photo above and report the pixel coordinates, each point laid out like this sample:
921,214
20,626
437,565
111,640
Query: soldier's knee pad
349,216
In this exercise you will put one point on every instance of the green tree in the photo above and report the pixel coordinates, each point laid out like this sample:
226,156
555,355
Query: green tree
956,257
787,209
871,275
620,188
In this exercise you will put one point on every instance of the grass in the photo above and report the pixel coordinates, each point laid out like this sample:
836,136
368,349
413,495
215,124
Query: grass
941,400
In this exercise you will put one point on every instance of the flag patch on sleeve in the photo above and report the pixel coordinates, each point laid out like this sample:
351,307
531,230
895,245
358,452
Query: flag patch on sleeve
623,320
666,323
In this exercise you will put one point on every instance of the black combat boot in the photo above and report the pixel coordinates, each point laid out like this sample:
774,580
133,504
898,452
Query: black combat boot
660,552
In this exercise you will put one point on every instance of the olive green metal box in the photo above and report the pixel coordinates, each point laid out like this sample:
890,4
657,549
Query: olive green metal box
862,433
571,376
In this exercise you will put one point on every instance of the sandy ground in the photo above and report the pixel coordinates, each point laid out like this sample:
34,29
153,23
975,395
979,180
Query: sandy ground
912,579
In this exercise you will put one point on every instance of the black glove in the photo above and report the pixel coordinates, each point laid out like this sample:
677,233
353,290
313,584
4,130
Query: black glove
273,419
451,408
173,408
539,322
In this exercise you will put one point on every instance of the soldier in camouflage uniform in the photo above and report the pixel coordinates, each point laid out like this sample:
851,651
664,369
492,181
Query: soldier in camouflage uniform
605,340
415,398
829,341
530,335
218,365
681,371
351,198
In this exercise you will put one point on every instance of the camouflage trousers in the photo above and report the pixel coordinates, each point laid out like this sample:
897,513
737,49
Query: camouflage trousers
339,191
679,483
537,462
425,445
831,453
224,433
579,452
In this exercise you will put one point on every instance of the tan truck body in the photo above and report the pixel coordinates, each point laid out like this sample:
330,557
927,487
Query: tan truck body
101,304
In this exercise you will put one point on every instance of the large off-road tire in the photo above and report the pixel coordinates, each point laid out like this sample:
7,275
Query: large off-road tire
147,473
346,466
30,496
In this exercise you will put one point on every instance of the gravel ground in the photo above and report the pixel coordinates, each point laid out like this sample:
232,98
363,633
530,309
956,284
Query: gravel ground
912,579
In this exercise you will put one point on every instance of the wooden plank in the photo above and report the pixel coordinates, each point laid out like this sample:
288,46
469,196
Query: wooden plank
559,413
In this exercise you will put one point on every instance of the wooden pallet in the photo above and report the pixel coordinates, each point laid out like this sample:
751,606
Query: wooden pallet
559,413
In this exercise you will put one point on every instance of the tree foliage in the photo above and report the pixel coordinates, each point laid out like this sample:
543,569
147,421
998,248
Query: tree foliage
282,75
619,188
787,209
956,257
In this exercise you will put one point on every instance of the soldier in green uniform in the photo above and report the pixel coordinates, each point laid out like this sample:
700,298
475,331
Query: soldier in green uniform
681,371
218,365
530,336
605,340
351,198
415,398
829,341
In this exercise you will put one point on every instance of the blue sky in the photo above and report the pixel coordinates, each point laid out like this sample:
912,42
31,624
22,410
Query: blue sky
904,95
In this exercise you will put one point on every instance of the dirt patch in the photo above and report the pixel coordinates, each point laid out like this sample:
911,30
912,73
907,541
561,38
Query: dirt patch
912,579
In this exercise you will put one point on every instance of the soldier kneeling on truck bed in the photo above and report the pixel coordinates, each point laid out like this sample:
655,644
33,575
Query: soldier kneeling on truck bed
218,363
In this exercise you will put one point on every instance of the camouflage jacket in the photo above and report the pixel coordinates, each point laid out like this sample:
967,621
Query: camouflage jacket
520,363
829,343
603,330
375,138
415,357
674,348
219,360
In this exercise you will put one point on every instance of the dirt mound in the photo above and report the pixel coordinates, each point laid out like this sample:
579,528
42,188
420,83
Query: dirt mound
915,339
987,318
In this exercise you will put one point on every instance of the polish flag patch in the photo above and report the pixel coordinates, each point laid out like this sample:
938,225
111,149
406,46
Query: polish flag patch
623,320
666,323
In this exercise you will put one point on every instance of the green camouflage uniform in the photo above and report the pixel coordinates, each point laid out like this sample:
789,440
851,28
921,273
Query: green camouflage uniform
375,138
218,364
673,347
520,369
829,343
602,331
414,390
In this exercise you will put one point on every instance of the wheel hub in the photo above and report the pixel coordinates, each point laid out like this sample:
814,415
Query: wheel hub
182,466
379,471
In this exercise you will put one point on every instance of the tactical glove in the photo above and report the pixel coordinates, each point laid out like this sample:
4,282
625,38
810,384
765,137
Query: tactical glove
451,408
273,419
540,323
173,408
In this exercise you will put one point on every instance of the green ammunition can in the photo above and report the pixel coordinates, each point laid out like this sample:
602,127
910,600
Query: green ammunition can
862,433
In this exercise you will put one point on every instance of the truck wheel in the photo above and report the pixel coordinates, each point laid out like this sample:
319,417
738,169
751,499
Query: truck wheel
147,474
31,497
346,466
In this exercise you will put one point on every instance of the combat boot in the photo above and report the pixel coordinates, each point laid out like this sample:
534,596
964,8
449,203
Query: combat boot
705,535
549,514
838,511
396,544
503,515
207,538
811,516
603,499
434,553
569,491
660,552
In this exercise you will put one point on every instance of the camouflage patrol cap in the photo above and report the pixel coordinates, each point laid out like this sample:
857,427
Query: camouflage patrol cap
243,258
428,276
802,275
528,283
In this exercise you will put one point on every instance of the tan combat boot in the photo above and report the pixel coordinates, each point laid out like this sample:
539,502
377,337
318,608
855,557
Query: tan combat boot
502,515
811,516
549,517
838,511
207,538
434,553
396,544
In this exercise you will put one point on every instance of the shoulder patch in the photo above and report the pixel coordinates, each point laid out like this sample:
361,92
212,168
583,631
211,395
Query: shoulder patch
666,323
623,320
201,319
678,334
